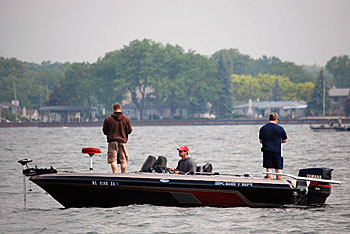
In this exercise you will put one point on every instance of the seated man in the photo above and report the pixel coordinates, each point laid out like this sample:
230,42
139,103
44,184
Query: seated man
186,164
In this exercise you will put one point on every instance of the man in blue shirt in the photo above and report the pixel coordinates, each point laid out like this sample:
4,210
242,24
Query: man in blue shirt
271,137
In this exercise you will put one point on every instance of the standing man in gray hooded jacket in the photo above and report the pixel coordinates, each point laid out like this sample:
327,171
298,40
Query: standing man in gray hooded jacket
117,127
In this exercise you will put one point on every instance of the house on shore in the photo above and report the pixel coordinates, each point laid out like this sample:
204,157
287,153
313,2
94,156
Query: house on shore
30,114
285,109
155,112
337,100
67,114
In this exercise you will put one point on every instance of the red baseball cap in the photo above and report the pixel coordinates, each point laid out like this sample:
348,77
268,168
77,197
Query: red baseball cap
183,148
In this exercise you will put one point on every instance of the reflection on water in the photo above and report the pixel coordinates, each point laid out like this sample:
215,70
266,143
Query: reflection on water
231,149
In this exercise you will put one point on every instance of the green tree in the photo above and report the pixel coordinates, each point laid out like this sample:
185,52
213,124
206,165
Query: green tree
17,81
110,88
79,85
300,92
185,78
224,106
240,64
295,73
262,87
33,82
262,64
339,67
315,105
277,92
7,114
137,67
200,83
170,83
57,98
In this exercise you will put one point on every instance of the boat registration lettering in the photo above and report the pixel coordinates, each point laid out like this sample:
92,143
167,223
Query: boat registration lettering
238,184
104,183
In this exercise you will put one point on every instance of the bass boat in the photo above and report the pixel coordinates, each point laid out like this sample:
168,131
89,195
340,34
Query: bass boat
154,184
324,128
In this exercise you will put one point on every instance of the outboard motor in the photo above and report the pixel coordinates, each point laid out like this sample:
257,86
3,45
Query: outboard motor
315,193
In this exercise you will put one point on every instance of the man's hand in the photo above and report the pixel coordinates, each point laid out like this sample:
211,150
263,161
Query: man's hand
174,170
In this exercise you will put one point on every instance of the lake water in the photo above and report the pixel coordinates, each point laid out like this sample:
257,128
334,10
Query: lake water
231,149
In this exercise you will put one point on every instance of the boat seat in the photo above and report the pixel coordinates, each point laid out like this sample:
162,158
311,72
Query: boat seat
160,165
205,168
151,164
91,151
148,165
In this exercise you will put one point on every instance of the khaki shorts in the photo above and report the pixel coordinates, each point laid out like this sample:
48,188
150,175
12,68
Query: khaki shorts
117,152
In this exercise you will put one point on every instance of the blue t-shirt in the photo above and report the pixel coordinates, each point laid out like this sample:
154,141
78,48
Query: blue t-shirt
272,135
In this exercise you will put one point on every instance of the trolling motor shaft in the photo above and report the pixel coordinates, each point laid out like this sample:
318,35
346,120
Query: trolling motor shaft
24,163
27,171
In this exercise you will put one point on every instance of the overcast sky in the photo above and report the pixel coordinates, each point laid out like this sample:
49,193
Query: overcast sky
302,31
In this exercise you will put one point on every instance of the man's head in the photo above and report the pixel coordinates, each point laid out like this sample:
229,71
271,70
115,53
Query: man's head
183,151
117,107
273,117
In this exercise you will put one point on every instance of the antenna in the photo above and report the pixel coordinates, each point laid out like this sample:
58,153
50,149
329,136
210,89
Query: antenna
47,93
324,94
14,90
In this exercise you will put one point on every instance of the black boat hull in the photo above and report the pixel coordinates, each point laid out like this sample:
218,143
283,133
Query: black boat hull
110,190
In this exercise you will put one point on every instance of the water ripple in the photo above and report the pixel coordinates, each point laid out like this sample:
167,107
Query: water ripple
231,149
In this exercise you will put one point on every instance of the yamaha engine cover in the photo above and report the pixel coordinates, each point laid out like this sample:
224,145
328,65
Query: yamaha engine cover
316,192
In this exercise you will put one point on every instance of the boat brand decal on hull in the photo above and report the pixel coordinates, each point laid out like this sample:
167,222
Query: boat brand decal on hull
238,184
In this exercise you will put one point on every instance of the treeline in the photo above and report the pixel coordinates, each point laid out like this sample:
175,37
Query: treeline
150,72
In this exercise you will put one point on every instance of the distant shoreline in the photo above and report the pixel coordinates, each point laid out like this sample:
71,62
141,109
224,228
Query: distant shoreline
318,120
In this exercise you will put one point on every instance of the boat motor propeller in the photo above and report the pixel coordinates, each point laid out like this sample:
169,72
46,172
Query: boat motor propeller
91,152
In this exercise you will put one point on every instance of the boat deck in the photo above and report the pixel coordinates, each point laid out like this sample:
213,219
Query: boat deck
167,176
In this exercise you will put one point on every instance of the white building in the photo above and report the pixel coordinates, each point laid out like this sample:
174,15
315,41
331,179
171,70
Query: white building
285,109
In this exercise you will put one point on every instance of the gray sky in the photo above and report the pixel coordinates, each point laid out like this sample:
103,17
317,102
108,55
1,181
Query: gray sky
301,31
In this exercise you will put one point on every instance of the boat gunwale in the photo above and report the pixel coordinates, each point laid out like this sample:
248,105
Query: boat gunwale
164,176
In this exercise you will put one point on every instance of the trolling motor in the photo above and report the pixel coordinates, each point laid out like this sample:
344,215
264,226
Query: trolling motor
91,152
27,171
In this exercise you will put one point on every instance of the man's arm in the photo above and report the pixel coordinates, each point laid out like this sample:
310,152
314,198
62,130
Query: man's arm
105,127
129,125
284,136
193,166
